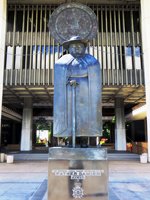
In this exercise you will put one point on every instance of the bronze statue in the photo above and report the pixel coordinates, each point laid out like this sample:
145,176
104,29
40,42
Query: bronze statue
76,173
81,71
77,80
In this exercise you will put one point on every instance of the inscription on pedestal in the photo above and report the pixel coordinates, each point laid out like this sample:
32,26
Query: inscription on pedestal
77,176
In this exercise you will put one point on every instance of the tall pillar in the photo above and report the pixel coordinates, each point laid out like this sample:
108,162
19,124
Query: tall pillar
145,128
145,19
14,133
27,121
120,132
3,8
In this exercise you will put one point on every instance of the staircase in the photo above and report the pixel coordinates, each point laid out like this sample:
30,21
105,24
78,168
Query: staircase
123,156
30,156
112,155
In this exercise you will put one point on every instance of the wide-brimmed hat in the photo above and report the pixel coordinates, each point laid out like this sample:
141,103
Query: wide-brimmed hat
74,39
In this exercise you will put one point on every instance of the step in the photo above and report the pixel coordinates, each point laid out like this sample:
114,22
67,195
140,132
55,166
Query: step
44,156
119,156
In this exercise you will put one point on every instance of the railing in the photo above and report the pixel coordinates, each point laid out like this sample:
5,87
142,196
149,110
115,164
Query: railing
137,147
46,77
31,51
28,77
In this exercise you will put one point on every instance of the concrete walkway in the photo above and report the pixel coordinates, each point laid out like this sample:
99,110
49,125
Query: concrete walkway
28,180
129,180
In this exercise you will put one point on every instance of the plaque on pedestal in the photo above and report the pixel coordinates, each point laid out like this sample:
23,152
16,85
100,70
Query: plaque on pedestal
77,173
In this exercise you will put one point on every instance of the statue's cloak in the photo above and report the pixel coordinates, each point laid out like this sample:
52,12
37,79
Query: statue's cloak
88,113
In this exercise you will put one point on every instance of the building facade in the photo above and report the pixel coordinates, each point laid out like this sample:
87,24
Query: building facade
28,54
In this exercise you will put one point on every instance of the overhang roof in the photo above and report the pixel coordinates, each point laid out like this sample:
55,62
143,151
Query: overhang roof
14,95
79,1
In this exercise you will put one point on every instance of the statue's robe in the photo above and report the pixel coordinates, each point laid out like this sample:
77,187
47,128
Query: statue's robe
88,113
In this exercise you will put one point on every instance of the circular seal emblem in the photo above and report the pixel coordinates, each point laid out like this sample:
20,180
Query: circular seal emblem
73,19
78,192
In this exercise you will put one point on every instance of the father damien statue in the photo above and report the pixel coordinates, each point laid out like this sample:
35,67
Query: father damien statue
83,70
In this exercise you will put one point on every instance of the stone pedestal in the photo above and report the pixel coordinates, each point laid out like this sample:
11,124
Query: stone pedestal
2,157
143,158
10,159
77,173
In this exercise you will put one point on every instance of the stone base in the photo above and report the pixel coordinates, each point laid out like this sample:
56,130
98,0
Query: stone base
143,158
10,159
77,173
2,157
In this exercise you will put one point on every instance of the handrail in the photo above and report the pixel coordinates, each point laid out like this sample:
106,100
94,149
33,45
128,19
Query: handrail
136,148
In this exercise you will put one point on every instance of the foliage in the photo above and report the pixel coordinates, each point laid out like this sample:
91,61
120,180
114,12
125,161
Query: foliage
42,124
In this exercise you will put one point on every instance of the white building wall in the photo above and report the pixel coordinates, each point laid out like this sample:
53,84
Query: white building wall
145,17
3,8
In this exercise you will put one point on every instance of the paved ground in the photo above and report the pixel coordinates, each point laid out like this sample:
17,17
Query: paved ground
128,180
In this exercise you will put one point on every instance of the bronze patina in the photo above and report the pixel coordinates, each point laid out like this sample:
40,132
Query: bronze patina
77,80
73,19
76,173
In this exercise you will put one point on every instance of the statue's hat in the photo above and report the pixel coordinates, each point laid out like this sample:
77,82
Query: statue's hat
74,39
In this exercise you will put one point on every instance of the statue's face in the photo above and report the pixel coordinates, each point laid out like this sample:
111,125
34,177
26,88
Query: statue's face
77,49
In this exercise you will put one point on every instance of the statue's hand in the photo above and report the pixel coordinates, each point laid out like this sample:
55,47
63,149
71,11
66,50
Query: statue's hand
73,83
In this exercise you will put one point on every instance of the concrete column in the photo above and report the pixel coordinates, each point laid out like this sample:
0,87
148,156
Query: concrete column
145,128
26,133
14,133
145,20
120,132
3,9
133,131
